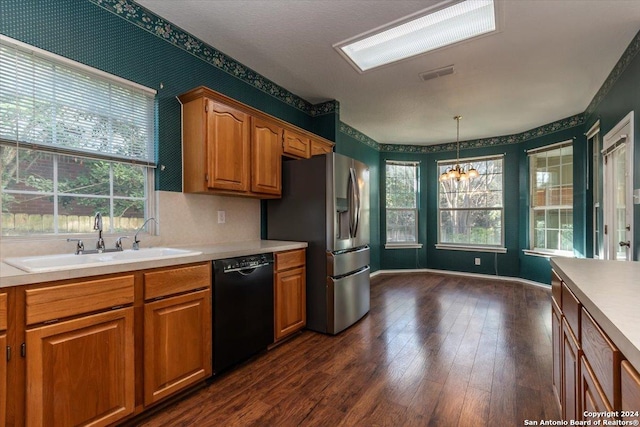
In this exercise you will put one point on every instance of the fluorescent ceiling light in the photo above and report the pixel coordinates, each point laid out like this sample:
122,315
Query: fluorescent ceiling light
433,30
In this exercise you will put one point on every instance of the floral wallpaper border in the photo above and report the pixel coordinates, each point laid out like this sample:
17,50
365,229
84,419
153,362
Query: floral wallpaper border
165,30
517,138
629,54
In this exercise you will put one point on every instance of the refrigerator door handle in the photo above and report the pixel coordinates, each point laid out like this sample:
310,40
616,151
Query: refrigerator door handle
354,203
356,188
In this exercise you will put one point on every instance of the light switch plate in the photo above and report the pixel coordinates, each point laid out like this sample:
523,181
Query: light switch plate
221,217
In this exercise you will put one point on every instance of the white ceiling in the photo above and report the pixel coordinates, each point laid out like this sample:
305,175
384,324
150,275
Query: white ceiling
547,62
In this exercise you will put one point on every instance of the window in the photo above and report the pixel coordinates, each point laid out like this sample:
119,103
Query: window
470,212
551,215
73,141
402,203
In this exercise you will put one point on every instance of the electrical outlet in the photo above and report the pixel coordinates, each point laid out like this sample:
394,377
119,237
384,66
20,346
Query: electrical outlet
477,260
221,217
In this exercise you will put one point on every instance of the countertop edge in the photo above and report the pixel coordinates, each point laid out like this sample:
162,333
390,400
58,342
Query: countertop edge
629,350
11,276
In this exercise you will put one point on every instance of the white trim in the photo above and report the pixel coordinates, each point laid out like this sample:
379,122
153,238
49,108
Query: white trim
403,245
544,254
594,130
8,41
549,147
493,249
462,273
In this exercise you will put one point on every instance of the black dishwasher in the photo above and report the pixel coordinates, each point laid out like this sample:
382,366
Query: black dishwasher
242,308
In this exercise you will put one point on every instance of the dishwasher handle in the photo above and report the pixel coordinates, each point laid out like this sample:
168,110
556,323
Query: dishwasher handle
245,271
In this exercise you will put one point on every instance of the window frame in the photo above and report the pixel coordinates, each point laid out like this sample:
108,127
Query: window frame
466,164
145,159
532,250
403,244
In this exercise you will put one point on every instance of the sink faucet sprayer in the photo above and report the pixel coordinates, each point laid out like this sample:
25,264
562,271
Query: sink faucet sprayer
136,242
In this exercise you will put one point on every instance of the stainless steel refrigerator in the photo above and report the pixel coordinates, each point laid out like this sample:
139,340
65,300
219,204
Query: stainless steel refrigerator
325,202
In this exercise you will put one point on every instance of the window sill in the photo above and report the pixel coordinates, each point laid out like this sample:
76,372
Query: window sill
493,249
403,245
543,254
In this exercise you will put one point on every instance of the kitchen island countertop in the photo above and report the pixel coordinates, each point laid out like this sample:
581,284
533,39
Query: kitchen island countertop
11,276
610,291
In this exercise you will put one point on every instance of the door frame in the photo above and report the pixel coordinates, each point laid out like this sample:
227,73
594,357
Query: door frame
622,132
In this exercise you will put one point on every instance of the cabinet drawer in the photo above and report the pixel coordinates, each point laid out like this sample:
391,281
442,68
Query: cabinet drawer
604,358
3,312
571,309
56,302
161,283
289,259
556,288
630,387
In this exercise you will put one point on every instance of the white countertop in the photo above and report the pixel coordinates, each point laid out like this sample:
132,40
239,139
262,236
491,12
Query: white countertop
610,291
11,276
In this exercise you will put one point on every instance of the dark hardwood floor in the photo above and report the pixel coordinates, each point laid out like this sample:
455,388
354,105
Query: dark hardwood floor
435,350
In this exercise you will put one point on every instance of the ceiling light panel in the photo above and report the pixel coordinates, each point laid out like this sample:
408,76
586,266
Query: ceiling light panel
453,24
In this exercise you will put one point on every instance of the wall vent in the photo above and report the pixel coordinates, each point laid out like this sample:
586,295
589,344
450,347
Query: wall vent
438,72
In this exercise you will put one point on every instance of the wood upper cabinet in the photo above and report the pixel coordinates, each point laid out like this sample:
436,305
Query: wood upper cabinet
320,147
290,293
296,144
228,136
266,157
81,371
177,329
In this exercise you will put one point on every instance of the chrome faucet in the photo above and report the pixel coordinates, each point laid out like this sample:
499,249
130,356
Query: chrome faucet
97,225
136,242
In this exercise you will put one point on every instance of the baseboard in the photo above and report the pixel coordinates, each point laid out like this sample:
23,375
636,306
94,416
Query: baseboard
462,273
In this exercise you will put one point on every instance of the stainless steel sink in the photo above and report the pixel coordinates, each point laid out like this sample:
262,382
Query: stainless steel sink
46,263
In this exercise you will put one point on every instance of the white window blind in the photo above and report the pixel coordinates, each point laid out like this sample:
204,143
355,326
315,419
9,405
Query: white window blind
54,104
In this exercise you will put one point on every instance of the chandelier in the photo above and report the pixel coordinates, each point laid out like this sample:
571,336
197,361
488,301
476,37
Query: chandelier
457,172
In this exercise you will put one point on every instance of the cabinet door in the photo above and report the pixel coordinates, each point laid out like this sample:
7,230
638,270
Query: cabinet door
3,379
228,134
592,397
556,336
571,374
296,145
630,386
81,372
266,158
290,302
320,147
177,343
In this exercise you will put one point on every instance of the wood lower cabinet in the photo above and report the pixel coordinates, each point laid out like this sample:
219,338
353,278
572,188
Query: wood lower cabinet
571,354
592,397
556,336
81,371
290,293
3,379
3,359
630,388
177,344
